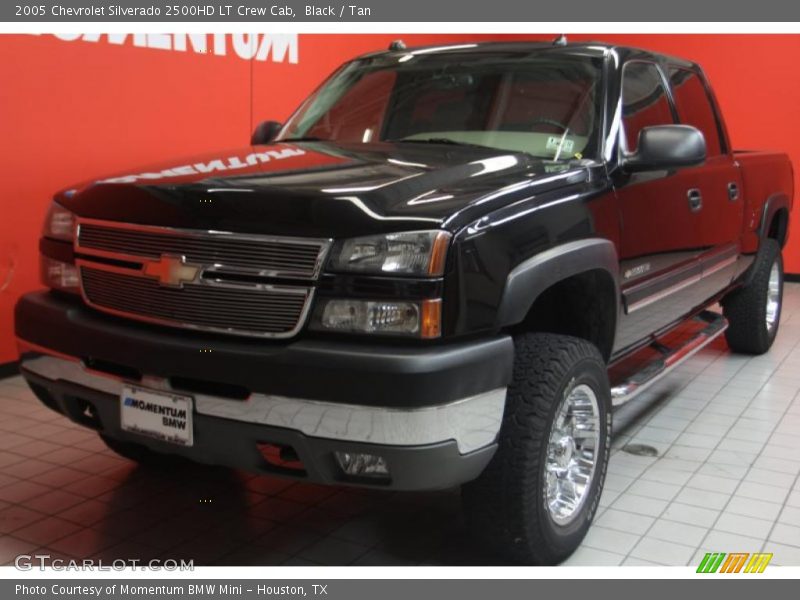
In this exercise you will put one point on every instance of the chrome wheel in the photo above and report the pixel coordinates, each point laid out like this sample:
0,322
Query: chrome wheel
572,454
773,296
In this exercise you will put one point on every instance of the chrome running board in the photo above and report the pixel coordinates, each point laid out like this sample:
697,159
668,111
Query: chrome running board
670,358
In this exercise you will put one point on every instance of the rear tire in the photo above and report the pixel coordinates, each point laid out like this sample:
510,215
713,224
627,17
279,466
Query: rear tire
511,505
754,311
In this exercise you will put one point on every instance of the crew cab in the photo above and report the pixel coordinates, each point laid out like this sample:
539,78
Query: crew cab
446,268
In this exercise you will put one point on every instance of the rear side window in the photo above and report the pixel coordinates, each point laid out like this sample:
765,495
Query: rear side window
694,106
644,100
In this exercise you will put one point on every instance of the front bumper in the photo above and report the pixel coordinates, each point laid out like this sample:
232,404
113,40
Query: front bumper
433,413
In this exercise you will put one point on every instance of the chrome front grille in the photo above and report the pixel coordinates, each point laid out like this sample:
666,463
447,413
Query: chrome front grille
256,255
225,309
209,281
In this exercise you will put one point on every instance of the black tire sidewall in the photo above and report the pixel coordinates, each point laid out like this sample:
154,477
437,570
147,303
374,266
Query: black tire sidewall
563,539
745,307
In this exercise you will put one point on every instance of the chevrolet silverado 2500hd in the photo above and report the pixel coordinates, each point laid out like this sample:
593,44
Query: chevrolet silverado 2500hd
433,274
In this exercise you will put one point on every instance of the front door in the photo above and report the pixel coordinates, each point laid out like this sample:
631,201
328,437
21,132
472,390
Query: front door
660,219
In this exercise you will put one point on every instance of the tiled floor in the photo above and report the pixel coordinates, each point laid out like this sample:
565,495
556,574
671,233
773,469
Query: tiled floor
726,428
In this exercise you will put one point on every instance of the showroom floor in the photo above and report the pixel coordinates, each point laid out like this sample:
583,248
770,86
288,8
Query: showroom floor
726,429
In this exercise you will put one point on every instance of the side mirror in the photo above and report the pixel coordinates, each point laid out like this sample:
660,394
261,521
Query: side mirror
667,147
265,132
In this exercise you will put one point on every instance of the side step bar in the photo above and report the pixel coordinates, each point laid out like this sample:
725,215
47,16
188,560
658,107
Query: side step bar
716,325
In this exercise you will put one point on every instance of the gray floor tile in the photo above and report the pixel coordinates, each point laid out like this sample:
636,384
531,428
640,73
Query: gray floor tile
610,540
786,534
591,557
662,552
680,533
691,515
742,525
717,539
625,521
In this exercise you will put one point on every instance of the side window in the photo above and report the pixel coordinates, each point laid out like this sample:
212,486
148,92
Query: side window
694,106
644,100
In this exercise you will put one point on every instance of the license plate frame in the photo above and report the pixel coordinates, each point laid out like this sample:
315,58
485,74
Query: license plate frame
157,414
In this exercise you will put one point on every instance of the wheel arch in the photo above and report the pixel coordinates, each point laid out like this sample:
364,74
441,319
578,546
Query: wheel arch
775,219
572,289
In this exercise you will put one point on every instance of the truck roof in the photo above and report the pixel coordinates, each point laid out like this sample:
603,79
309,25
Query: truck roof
598,49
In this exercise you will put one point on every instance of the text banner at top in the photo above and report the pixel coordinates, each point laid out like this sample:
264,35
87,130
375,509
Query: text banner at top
467,11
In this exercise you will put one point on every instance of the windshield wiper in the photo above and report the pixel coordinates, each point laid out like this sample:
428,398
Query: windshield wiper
309,138
435,140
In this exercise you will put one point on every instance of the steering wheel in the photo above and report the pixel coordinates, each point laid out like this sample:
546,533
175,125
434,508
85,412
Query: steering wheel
552,122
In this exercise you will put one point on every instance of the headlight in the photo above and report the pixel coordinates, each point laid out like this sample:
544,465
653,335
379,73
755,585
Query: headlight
388,317
58,275
59,223
420,253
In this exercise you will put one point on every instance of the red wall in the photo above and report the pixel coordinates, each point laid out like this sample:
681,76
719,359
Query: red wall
72,110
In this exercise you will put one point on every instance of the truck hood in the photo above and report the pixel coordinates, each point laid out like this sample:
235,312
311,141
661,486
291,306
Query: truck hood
324,189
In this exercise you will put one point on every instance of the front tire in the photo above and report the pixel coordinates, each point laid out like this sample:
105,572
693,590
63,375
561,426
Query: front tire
535,501
754,311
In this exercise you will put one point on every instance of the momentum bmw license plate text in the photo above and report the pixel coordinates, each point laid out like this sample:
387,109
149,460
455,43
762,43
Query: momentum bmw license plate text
161,415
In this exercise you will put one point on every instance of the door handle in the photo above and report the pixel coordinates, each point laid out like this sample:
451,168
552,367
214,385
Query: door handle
733,191
695,199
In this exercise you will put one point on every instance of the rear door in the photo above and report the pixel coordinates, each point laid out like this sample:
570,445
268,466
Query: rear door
717,181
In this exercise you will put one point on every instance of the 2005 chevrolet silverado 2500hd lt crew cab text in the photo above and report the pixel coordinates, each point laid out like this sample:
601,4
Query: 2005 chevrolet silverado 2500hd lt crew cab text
447,267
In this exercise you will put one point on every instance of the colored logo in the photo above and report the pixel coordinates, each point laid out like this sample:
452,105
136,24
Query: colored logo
735,562
171,271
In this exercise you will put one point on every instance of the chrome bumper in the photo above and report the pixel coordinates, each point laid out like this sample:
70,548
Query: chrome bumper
472,422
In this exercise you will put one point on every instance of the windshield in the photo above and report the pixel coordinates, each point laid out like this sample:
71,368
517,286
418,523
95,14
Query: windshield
542,104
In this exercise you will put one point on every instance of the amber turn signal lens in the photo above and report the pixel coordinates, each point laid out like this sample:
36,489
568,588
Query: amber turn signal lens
431,319
439,254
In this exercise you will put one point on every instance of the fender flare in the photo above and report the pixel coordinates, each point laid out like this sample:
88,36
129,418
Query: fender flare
772,205
534,275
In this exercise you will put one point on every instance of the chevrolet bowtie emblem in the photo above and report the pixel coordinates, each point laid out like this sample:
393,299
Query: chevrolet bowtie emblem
171,270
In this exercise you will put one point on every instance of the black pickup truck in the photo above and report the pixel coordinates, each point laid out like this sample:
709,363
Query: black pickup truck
433,274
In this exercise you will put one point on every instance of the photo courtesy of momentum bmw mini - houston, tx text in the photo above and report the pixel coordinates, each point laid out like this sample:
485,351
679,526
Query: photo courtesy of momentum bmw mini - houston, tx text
380,299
